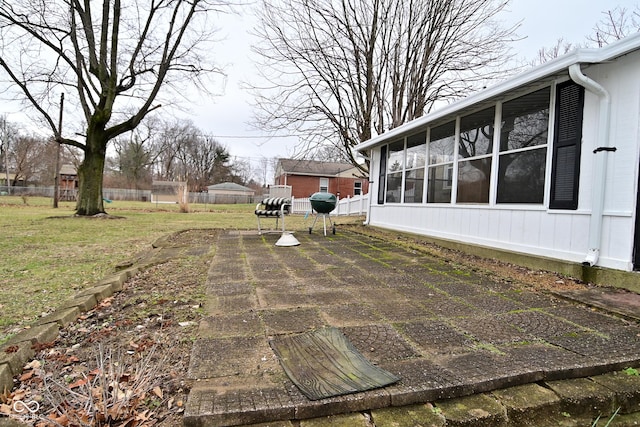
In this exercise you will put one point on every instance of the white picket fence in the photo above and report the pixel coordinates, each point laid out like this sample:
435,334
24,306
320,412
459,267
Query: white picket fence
356,205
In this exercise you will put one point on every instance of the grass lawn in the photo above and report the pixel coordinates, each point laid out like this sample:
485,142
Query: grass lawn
48,255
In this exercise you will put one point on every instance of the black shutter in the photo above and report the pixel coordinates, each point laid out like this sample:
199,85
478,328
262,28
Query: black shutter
565,169
382,176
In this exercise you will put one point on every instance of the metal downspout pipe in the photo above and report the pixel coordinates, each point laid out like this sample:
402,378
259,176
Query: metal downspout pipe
600,164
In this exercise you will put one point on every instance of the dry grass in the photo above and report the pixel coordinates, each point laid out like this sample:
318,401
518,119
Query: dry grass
48,255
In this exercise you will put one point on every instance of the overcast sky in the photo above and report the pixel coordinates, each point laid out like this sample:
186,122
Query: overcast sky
226,116
543,23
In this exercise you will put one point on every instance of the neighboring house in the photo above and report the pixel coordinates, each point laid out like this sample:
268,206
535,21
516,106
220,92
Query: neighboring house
310,176
230,192
12,180
545,163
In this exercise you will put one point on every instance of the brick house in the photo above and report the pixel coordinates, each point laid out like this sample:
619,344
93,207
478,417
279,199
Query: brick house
310,176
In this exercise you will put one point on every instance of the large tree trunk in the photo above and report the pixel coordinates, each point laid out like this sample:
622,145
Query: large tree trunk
90,175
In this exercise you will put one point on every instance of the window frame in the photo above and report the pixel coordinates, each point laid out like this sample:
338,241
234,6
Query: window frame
507,151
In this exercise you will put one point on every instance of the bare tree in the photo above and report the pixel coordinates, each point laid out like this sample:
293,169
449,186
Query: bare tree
346,70
133,161
616,24
112,57
548,53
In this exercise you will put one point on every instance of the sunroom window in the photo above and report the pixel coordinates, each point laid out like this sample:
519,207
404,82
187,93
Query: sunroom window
523,148
395,166
414,171
474,156
441,151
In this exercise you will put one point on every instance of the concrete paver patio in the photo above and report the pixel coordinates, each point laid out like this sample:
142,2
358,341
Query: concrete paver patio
445,331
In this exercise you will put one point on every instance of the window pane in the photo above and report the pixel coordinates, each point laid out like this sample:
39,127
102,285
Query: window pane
413,186
525,121
441,145
324,185
440,180
476,133
357,188
396,156
394,186
473,181
416,151
521,177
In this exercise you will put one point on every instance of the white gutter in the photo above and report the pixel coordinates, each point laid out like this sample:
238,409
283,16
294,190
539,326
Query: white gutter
550,68
600,163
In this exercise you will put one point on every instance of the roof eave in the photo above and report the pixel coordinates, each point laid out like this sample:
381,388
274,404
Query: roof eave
555,66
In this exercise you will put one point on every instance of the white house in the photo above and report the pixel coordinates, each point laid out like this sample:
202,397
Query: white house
545,163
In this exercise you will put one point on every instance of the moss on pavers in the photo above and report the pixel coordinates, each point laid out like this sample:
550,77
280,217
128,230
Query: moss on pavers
625,420
408,416
625,387
346,420
480,410
528,404
582,396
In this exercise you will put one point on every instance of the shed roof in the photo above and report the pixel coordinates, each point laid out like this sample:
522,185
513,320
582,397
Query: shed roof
547,71
313,167
230,186
68,169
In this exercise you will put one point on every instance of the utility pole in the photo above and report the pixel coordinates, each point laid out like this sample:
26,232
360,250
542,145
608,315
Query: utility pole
5,141
56,178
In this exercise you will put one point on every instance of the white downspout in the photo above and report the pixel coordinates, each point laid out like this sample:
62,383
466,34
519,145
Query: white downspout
600,164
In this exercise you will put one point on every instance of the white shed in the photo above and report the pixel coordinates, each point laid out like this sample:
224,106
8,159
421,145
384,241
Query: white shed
544,164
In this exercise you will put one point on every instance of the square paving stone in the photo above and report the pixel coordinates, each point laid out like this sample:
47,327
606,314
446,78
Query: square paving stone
435,337
493,303
238,407
230,304
447,307
582,396
489,329
270,299
403,311
422,381
625,387
349,314
533,300
230,289
221,357
613,349
243,324
291,320
592,319
379,295
273,273
459,289
380,343
481,371
538,324
551,361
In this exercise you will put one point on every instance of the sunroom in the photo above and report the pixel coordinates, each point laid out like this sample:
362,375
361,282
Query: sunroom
544,164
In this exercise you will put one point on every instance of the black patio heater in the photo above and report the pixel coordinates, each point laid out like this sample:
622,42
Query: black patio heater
323,204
